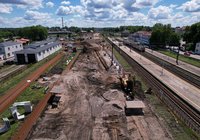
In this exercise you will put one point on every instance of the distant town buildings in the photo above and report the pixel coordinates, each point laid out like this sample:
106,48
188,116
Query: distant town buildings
180,30
141,36
197,48
7,49
125,33
37,51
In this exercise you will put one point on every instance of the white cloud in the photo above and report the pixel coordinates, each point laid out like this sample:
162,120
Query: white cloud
65,2
160,12
5,8
191,6
35,15
144,3
67,10
50,4
173,5
32,4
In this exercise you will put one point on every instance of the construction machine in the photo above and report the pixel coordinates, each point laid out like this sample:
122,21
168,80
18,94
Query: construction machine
127,83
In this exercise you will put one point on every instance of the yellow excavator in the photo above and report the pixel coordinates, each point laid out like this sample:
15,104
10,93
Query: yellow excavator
127,83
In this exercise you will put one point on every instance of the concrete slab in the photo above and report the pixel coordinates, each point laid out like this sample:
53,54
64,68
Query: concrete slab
134,104
58,89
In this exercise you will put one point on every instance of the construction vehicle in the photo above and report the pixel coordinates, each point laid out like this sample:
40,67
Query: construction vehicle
127,83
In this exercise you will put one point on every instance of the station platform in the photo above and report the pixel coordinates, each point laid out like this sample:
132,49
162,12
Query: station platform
188,92
183,65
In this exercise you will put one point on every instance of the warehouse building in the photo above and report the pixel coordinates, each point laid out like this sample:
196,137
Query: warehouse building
37,51
7,49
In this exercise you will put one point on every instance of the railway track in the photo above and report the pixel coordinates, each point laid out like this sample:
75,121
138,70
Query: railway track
183,74
177,105
11,71
8,98
31,120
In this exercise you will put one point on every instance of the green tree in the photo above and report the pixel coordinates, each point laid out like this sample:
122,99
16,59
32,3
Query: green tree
192,35
35,33
163,35
174,39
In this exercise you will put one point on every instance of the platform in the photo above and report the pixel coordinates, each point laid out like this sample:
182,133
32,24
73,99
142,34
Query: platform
183,65
188,92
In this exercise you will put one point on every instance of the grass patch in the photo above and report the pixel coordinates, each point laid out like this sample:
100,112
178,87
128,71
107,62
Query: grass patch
183,58
33,95
178,130
6,85
121,60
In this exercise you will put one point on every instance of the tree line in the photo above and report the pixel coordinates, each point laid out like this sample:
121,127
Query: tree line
34,33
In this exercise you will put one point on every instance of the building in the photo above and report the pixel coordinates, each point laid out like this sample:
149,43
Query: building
7,49
182,44
180,30
197,48
23,41
125,33
141,36
37,51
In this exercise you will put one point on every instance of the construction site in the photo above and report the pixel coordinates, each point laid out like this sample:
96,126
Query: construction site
93,97
92,103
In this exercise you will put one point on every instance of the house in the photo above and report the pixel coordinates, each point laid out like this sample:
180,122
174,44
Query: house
37,51
141,36
7,49
197,48
23,41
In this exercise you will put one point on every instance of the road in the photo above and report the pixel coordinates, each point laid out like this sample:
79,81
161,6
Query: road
196,56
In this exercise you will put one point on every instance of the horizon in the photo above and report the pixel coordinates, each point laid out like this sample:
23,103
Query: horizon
98,13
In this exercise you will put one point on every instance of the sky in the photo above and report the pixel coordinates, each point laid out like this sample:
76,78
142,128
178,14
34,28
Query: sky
98,13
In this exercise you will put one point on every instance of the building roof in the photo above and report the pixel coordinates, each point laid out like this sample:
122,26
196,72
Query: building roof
22,40
33,48
144,33
9,43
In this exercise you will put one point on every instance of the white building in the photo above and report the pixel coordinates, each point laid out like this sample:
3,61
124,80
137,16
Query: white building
7,49
197,48
36,52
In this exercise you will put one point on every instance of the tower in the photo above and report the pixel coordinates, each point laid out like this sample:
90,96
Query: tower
62,23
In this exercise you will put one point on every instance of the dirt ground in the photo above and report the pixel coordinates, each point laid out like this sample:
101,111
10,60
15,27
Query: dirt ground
92,107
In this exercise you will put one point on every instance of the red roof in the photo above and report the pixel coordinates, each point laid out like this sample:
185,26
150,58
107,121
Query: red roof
22,40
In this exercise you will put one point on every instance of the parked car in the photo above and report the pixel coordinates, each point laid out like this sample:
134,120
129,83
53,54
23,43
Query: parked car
9,62
187,53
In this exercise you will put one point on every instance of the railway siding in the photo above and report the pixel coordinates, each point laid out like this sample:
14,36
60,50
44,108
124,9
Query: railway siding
11,71
26,127
9,97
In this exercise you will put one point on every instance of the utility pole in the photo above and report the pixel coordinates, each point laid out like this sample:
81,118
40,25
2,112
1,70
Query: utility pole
177,55
112,54
62,23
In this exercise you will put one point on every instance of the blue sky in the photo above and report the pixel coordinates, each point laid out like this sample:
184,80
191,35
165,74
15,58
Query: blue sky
98,13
